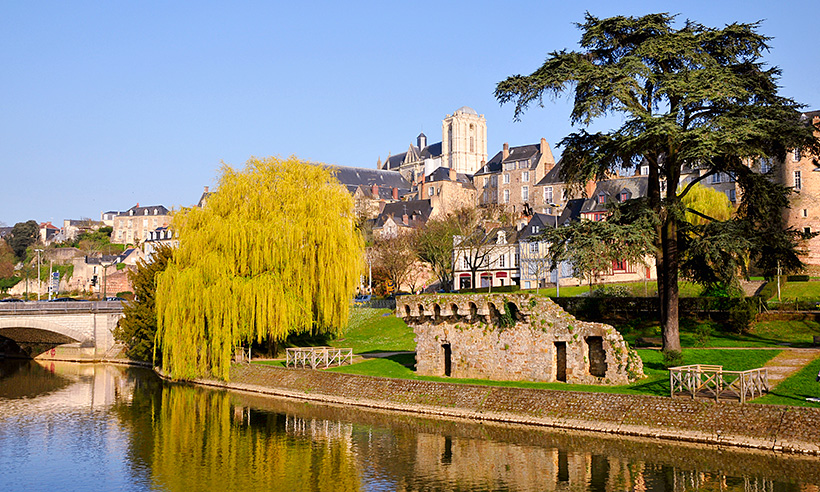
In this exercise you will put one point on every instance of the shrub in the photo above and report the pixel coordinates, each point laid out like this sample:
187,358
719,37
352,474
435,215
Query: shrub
672,358
703,333
612,291
742,314
797,278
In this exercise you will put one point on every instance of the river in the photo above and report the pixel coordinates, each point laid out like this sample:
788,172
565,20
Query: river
67,427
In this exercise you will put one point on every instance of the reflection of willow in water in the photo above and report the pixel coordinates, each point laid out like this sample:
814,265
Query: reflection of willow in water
201,441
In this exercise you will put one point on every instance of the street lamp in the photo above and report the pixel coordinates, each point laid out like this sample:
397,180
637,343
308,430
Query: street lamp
38,273
105,266
558,266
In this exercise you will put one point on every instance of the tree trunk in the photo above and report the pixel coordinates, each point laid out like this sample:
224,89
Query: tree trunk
669,299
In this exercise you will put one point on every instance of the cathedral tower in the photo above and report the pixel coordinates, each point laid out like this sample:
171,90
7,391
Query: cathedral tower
464,141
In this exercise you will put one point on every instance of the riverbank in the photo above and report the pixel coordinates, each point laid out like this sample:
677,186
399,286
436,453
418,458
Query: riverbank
765,427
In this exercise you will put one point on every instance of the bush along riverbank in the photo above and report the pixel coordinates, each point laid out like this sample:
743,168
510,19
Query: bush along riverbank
767,427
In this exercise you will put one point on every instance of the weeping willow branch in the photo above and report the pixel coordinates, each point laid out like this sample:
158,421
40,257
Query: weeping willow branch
274,251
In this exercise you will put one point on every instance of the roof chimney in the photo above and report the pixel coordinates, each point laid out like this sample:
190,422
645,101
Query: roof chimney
206,189
405,219
453,174
375,190
589,188
395,193
506,152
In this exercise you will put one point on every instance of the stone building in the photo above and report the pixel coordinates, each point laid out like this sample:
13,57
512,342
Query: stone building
135,224
514,337
510,177
463,148
801,171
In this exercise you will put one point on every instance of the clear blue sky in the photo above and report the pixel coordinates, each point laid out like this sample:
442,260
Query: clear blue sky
111,103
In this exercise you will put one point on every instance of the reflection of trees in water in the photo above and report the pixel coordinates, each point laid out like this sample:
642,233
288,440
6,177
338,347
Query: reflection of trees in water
200,440
195,439
24,378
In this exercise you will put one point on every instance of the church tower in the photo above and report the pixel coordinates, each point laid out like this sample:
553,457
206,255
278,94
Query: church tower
464,141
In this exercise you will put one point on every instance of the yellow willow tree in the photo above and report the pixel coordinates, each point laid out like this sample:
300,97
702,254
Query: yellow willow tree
274,251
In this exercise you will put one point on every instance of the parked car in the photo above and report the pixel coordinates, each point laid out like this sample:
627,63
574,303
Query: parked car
67,299
361,299
114,298
11,299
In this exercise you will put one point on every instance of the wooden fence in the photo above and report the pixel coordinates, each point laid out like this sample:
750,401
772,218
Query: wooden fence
314,357
707,381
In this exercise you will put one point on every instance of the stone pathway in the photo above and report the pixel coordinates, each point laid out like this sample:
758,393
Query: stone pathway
788,362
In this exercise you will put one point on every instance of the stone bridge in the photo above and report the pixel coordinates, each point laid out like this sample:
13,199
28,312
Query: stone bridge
59,330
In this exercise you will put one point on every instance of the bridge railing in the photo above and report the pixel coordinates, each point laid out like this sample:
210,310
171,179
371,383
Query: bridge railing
709,381
45,307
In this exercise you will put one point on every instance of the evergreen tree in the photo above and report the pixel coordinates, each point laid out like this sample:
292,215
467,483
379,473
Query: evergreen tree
23,235
695,95
274,251
138,329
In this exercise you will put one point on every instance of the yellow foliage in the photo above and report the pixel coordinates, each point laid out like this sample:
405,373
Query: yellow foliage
274,251
709,202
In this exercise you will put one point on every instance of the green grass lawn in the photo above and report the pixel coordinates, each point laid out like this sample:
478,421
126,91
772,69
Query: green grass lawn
762,334
638,289
656,382
795,389
376,330
798,290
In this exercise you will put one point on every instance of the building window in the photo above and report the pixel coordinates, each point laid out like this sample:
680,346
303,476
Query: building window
765,165
432,190
798,181
601,199
508,166
807,230
716,178
486,180
564,194
624,196
494,181
523,164
797,155
515,265
548,195
506,179
465,263
525,176
534,247
732,194
472,144
805,212
485,196
501,260
527,284
619,266
535,229
525,193
506,196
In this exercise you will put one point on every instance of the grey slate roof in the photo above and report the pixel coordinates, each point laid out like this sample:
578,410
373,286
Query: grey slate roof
519,153
137,210
420,210
634,186
359,176
395,161
553,176
541,221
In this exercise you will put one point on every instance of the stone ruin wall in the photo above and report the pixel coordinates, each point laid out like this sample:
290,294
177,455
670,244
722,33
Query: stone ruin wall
514,337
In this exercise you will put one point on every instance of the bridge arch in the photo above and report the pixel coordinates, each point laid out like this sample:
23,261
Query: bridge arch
7,325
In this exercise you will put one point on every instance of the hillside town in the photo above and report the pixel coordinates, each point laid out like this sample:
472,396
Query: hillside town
521,184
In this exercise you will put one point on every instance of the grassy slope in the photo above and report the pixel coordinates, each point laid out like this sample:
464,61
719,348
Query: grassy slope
798,290
795,389
376,330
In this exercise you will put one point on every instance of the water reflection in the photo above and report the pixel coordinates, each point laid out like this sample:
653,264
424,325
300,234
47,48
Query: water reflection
121,428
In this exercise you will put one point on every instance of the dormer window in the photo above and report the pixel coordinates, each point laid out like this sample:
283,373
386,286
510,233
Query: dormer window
624,195
601,198
535,229
130,212
155,211
145,212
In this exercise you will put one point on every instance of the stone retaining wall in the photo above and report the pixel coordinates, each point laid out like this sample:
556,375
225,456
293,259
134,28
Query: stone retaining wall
771,427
